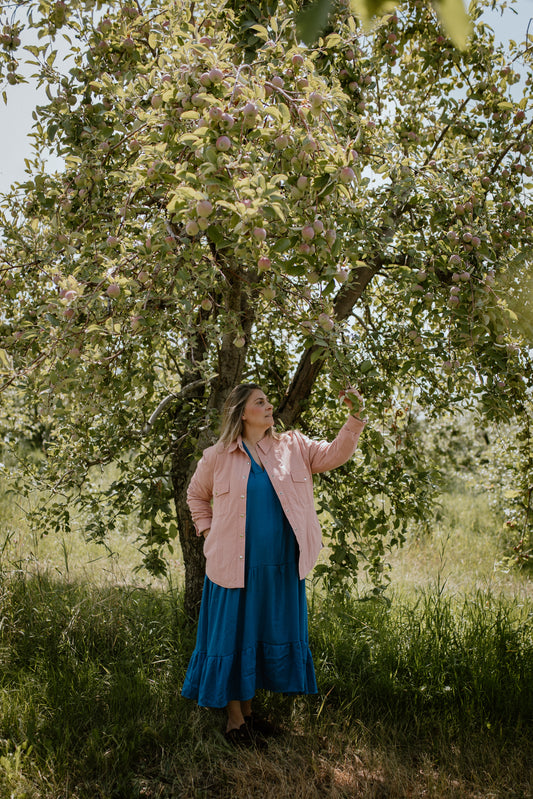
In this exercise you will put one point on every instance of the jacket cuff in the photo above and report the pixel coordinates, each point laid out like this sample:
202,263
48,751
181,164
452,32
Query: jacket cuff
202,524
355,425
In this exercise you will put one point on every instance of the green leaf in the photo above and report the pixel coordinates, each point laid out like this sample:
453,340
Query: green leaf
311,21
282,245
455,20
317,354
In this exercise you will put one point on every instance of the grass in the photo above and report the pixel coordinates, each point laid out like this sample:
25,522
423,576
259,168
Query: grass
428,696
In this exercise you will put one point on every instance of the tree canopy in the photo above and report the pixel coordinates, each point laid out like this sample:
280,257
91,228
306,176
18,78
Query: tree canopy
236,204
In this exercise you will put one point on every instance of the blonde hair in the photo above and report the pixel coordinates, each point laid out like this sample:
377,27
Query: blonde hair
232,424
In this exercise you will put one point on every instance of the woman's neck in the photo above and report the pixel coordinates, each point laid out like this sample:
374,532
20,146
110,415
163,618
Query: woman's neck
252,436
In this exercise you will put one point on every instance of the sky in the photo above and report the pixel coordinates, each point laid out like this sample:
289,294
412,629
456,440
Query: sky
16,117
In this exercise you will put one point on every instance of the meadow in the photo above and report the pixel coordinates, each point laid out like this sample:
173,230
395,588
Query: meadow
429,694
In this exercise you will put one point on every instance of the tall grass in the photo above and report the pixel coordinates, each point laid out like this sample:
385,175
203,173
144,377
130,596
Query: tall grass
428,695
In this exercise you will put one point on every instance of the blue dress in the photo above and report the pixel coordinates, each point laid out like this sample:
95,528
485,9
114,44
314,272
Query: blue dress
255,637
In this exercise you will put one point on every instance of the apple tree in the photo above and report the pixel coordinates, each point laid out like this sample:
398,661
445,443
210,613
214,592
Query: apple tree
306,216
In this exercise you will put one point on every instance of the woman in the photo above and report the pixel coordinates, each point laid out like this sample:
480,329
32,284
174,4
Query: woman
251,497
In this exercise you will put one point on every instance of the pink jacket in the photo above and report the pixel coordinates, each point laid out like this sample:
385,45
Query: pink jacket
217,495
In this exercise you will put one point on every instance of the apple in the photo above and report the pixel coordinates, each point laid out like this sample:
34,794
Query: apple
453,301
342,274
68,313
318,226
206,304
136,322
278,82
74,352
307,233
249,113
347,175
202,222
223,144
331,237
191,228
259,233
281,142
216,75
316,100
113,290
143,277
204,208
70,295
156,101
112,241
215,113
263,263
326,322
455,260
239,342
268,292
297,60
302,182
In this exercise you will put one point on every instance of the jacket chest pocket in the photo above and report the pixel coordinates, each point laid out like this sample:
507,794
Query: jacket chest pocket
300,477
221,490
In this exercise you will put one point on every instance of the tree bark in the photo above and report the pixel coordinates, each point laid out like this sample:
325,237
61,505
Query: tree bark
231,361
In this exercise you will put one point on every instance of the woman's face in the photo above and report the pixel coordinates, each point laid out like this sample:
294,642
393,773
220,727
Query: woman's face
257,414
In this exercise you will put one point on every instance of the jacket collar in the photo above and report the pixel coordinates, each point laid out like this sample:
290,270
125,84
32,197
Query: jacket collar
264,444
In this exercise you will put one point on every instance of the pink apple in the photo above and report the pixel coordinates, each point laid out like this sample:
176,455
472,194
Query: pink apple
263,263
216,75
206,304
204,208
259,233
223,144
113,290
191,228
347,175
318,226
308,233
330,236
326,322
143,277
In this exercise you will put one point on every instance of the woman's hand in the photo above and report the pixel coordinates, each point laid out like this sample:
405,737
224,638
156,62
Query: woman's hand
205,533
353,400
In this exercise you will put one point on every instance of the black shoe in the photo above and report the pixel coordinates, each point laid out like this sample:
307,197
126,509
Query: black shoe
260,726
244,738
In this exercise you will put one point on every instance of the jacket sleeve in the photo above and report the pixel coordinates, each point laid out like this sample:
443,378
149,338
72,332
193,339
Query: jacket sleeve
324,455
200,492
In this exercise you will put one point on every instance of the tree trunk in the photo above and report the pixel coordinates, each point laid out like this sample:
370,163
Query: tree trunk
231,362
183,465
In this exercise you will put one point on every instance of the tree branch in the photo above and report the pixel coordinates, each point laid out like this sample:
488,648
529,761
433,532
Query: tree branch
307,371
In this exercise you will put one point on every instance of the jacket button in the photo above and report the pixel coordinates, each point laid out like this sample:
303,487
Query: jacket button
241,557
242,496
